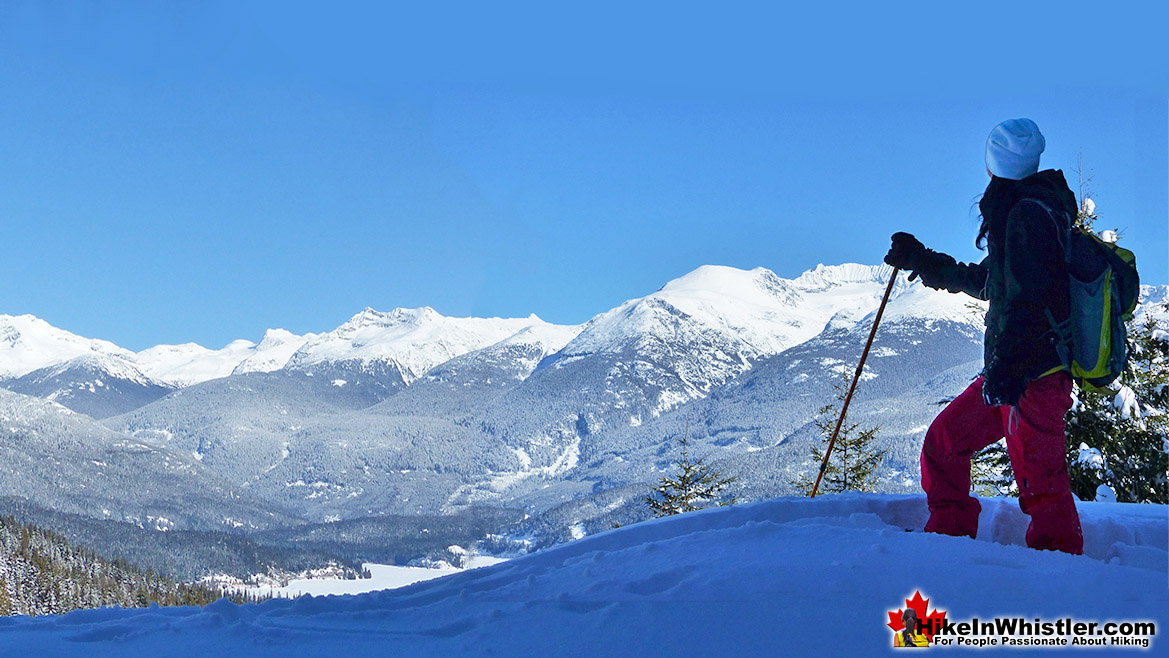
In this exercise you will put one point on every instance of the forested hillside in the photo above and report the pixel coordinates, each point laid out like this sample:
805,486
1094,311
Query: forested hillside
41,573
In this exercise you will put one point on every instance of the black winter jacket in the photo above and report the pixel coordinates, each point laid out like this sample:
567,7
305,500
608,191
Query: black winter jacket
1023,275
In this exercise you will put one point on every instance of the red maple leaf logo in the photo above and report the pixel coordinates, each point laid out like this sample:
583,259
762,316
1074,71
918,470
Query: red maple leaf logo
928,623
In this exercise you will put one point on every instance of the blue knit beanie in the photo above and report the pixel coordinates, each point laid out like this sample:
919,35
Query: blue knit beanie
1013,148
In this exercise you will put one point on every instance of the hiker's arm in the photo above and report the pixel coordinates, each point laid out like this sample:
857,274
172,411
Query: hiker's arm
936,270
943,272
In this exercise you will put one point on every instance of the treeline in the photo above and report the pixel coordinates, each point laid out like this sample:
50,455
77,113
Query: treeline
41,573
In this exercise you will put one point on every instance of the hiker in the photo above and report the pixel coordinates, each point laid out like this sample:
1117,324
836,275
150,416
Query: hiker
909,635
1024,389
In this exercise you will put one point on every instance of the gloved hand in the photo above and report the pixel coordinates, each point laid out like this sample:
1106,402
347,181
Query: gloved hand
907,253
1002,384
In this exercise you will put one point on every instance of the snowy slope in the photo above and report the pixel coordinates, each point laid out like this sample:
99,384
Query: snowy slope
791,577
98,385
759,425
65,461
273,352
613,412
403,344
511,360
115,365
28,343
469,382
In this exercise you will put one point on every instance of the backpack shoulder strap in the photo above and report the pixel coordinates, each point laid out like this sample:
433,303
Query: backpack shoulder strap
1062,330
1063,236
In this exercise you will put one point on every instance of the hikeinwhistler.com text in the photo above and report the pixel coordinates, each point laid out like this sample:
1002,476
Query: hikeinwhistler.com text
1020,632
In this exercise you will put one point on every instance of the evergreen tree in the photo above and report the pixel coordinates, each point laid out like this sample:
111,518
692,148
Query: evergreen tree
41,573
693,484
1120,438
855,457
5,601
990,472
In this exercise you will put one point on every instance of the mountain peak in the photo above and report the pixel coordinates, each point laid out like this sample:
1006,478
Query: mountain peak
715,278
277,336
370,317
824,276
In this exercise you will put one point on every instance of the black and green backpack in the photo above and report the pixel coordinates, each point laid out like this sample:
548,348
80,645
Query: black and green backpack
1103,288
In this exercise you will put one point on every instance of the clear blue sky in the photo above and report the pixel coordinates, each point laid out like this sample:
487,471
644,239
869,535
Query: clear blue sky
174,172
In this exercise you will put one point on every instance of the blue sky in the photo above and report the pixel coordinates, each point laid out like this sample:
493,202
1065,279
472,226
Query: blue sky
174,173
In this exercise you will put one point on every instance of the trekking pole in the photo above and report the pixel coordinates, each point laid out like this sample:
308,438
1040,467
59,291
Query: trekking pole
855,378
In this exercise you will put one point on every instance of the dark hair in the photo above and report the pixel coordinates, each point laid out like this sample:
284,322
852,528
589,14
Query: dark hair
984,228
907,633
983,231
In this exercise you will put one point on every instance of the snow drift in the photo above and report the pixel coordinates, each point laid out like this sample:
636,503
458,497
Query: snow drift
781,577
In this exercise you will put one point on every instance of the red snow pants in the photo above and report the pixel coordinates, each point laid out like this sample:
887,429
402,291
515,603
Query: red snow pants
1036,444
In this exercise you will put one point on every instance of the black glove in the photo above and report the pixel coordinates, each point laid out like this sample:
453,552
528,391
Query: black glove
1003,384
906,253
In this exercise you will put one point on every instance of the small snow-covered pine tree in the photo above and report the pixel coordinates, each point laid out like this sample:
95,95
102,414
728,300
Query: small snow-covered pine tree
853,464
692,486
1120,438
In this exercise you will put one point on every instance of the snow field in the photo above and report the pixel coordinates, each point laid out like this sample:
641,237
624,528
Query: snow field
781,577
383,576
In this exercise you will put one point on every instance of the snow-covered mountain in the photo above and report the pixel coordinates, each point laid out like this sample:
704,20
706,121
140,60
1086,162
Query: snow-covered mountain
381,352
403,343
64,461
411,412
188,364
704,330
759,423
98,385
28,343
694,334
711,323
273,352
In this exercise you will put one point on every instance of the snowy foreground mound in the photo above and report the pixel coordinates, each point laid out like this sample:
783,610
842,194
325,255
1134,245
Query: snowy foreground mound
789,577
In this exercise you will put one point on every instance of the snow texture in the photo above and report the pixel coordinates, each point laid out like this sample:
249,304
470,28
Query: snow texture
794,577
